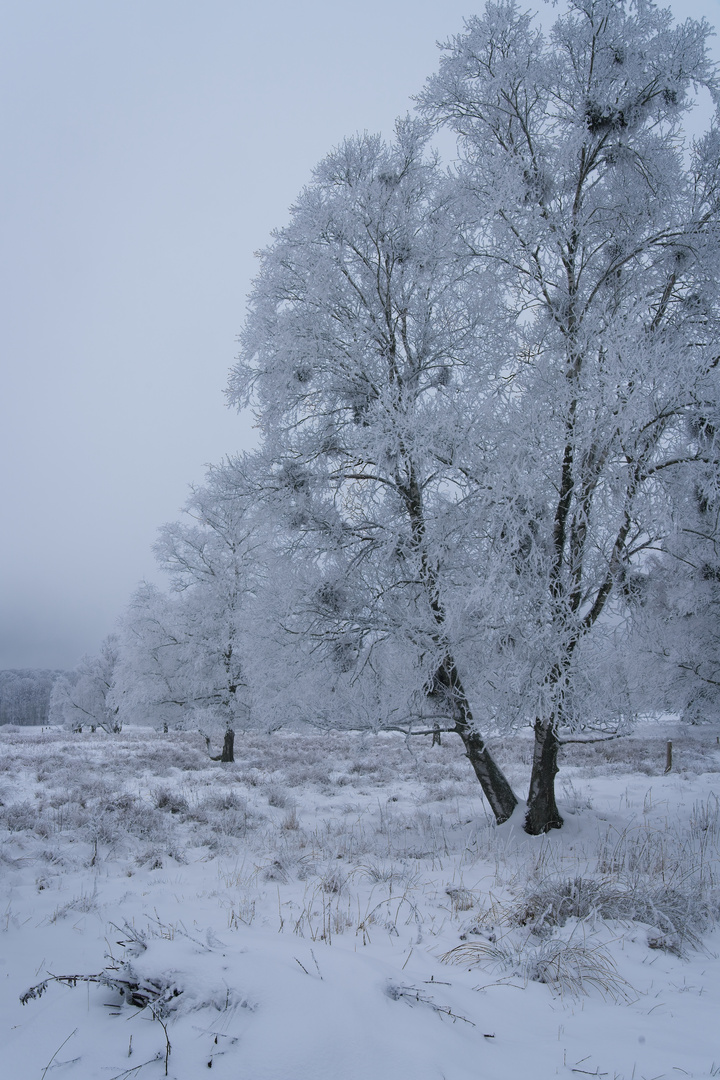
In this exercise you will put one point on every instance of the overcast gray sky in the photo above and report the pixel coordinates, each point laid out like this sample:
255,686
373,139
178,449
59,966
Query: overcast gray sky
149,148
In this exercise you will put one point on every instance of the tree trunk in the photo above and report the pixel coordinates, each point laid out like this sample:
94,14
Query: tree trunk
495,786
447,688
542,813
228,750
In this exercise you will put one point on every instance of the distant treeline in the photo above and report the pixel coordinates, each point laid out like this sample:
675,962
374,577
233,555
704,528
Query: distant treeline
25,695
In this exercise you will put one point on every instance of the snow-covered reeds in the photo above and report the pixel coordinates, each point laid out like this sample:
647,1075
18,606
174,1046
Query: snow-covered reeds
567,967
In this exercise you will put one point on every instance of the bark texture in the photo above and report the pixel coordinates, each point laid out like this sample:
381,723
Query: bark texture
228,750
448,688
542,813
495,786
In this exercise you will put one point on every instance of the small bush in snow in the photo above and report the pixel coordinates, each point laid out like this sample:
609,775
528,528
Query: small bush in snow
677,916
166,798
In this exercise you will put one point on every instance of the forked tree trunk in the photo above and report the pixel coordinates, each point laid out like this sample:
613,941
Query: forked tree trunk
228,750
542,812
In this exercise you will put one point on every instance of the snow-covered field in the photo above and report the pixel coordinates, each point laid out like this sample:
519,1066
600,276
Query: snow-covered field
333,907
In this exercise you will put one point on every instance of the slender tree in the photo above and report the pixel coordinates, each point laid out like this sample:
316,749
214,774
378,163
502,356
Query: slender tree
186,653
151,682
83,696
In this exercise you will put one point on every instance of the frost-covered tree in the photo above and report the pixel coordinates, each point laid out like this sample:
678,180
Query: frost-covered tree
601,224
677,603
695,553
83,696
25,694
215,562
150,684
363,354
185,653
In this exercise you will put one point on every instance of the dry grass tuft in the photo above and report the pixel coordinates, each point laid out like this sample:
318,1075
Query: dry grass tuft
568,968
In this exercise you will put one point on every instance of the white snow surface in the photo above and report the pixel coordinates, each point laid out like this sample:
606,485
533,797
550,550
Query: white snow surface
287,915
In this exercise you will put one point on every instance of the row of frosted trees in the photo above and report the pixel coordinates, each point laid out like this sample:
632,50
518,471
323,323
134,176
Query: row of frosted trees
485,494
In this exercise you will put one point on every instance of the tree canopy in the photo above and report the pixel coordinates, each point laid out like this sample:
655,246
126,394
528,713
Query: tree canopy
487,396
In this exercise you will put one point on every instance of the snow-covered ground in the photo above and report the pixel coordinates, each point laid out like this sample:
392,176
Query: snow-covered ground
333,907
